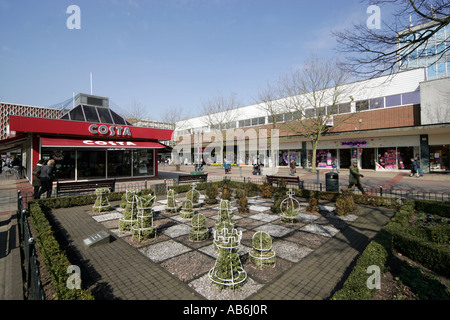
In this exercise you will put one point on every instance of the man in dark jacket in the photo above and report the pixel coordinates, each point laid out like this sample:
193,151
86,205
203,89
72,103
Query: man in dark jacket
36,182
355,177
47,177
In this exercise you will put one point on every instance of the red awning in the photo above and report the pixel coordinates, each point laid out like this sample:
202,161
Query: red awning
94,143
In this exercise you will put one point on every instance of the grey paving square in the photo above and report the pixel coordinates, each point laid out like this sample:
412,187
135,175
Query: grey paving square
209,250
290,251
164,250
307,217
177,230
208,289
323,230
274,230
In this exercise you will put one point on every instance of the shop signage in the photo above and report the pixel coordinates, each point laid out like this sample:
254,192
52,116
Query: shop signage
109,131
108,143
354,143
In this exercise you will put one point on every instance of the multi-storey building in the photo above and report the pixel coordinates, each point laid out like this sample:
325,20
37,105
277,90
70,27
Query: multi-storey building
390,120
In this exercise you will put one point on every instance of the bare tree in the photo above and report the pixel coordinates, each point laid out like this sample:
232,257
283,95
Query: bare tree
135,112
268,101
313,94
218,113
377,51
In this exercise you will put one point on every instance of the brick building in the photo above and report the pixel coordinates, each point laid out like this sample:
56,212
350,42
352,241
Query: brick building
388,121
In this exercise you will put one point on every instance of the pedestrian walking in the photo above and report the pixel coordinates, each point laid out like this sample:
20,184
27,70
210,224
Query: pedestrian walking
292,167
335,165
413,168
47,177
355,177
36,180
417,166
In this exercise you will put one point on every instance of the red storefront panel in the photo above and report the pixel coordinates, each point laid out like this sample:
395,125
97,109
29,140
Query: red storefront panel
99,130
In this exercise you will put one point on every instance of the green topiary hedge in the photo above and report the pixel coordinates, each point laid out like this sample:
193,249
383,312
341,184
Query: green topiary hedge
54,259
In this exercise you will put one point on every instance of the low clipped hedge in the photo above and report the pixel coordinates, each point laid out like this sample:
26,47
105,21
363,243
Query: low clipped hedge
418,243
378,252
54,259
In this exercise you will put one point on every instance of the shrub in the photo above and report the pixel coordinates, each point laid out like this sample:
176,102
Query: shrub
345,204
212,191
266,190
54,259
313,205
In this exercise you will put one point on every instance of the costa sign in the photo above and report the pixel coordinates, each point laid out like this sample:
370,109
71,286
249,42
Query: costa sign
109,143
109,131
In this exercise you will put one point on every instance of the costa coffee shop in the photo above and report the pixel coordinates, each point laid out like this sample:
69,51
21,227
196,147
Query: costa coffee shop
90,141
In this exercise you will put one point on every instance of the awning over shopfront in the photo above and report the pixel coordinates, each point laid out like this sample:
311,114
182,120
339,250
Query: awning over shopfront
11,144
94,143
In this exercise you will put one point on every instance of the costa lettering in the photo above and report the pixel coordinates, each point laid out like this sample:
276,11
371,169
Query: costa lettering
111,131
109,143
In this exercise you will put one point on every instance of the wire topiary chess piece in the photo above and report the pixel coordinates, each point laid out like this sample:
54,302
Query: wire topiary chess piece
187,210
290,208
227,271
262,254
194,196
101,202
143,228
171,205
130,212
199,231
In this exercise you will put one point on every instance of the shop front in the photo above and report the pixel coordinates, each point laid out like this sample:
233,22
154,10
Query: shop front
84,150
380,153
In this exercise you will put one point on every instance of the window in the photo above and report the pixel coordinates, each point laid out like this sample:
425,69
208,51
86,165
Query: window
77,114
119,163
117,119
411,98
333,110
377,103
362,105
310,113
142,162
105,117
91,114
395,100
345,108
287,117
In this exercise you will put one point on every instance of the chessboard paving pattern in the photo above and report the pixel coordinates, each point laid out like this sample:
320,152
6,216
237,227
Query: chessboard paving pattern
176,257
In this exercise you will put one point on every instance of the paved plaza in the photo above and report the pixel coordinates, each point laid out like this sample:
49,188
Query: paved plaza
314,256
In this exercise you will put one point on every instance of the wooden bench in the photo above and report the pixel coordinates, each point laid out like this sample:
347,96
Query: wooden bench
192,178
289,180
83,186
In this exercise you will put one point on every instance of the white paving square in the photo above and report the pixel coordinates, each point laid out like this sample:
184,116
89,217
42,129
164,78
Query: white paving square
265,217
259,208
164,250
307,217
290,251
107,216
322,230
350,217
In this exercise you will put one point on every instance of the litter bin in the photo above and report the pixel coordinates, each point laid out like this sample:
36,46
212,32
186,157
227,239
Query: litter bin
332,182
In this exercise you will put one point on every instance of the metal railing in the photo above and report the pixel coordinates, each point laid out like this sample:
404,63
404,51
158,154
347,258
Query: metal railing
33,286
374,191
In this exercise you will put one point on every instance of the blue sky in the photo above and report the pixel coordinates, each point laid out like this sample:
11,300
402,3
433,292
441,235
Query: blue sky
161,54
